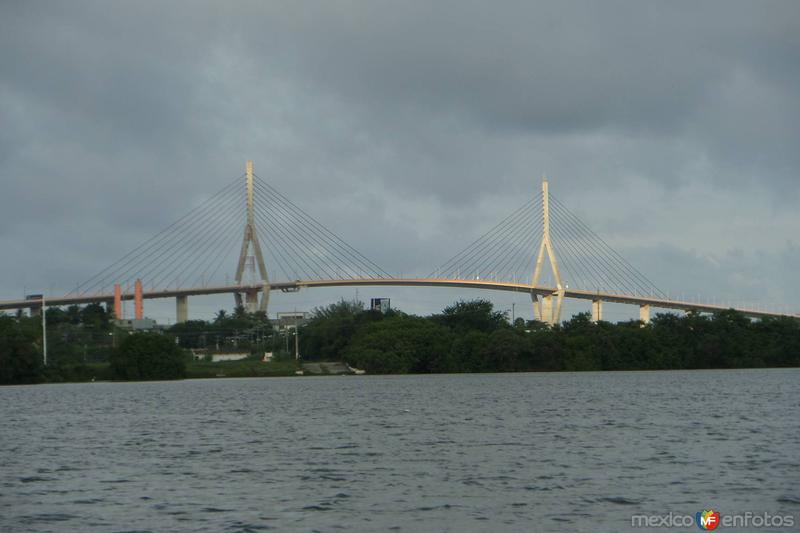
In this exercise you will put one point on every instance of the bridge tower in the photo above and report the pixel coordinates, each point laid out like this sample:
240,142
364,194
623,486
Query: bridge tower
543,305
250,240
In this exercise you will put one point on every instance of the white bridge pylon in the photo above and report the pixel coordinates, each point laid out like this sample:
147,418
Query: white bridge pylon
250,239
543,305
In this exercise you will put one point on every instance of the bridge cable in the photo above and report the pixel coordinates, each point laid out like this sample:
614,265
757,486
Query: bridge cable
523,261
469,249
607,250
185,250
278,252
640,280
324,229
516,248
316,242
451,267
511,244
332,253
216,238
104,274
292,244
492,245
101,276
163,249
589,268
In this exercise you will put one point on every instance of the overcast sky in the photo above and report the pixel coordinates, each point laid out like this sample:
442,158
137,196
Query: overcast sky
672,128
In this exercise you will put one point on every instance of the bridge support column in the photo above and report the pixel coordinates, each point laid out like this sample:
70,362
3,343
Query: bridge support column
181,309
597,310
117,301
543,308
264,299
251,301
137,300
644,313
547,309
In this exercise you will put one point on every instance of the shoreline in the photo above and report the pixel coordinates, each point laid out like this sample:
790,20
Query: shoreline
350,375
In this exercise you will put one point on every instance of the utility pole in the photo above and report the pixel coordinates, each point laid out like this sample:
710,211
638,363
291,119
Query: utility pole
44,331
296,339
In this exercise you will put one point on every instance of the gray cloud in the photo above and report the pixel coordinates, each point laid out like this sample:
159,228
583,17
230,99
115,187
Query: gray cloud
672,123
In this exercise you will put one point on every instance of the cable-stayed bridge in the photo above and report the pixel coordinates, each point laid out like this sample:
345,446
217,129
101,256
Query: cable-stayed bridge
542,249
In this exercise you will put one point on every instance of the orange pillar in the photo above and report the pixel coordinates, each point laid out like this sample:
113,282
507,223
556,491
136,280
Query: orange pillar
137,300
117,301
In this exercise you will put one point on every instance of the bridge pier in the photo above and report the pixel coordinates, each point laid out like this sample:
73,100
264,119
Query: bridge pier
117,301
138,306
547,309
264,298
181,309
644,313
251,301
543,309
597,310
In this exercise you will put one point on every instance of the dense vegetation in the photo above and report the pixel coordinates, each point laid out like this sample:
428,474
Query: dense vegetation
20,357
79,342
144,356
472,337
466,337
84,345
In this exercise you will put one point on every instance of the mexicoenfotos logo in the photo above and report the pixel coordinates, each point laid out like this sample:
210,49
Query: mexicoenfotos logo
707,519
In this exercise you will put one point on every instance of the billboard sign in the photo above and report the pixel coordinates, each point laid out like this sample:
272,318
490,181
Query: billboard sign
380,304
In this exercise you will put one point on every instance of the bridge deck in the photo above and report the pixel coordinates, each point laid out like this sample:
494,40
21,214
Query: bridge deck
395,282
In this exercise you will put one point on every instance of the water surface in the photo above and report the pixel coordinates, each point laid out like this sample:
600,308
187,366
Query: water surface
500,452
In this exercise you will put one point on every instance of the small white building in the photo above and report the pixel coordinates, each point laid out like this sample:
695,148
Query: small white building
217,357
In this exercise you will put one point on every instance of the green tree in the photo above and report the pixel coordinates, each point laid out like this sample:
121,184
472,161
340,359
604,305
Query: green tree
330,329
400,344
20,358
95,316
472,315
148,356
506,351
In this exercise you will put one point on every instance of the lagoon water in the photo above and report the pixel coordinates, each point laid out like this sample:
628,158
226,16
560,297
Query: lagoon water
501,452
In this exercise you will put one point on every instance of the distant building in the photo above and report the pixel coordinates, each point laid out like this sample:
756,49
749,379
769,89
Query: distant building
289,320
381,305
217,357
203,354
132,324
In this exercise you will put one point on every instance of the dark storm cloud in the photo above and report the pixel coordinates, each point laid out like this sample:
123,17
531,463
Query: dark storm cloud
432,120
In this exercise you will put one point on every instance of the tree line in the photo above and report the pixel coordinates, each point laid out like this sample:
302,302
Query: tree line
471,336
468,336
84,344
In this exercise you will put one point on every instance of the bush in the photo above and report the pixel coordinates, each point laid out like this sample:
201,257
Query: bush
148,356
20,361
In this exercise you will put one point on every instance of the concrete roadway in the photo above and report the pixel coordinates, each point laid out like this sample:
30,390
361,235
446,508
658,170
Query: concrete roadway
291,286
